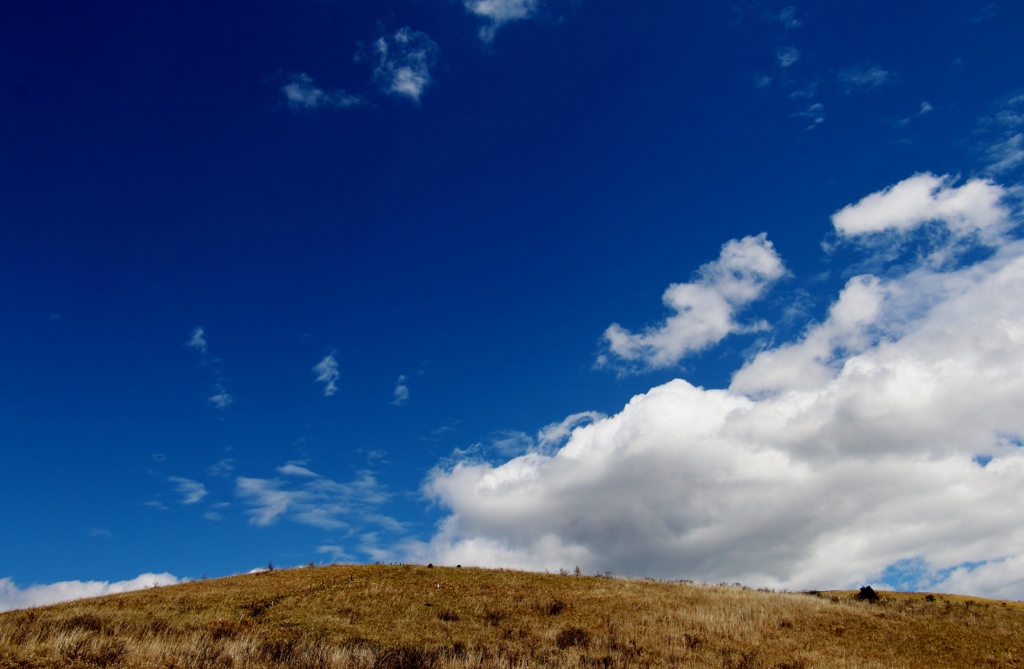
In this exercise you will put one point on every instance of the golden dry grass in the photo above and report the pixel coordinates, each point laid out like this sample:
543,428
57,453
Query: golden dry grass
408,617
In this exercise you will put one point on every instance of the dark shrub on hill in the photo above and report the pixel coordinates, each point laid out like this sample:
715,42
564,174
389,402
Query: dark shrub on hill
867,594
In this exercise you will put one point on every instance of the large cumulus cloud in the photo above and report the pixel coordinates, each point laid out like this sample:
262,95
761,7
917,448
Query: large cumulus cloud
888,435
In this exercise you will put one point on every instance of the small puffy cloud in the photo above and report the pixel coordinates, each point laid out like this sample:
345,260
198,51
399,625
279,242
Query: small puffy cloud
401,393
787,56
404,60
198,340
865,77
12,597
327,374
500,12
885,444
705,308
191,491
973,209
309,498
302,94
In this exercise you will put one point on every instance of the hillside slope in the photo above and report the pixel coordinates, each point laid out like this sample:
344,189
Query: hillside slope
405,617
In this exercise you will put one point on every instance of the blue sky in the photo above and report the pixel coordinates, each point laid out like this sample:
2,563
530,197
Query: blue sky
526,283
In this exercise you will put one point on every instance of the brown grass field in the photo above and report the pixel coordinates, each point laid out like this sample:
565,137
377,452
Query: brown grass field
410,617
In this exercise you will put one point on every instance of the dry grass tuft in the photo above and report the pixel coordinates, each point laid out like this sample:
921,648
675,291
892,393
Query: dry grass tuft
413,617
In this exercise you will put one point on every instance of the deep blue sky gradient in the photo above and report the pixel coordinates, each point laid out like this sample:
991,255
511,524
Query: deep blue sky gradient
547,184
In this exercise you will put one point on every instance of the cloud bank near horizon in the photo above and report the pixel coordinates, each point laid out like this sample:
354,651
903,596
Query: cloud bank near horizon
885,443
12,597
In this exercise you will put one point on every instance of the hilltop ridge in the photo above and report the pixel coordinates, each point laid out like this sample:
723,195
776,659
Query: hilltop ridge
413,616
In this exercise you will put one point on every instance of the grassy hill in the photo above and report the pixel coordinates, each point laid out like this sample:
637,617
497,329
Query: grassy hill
408,617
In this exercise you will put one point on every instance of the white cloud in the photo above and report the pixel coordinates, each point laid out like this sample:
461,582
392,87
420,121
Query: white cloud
788,18
787,56
1003,142
500,12
404,62
296,469
1006,154
221,398
892,433
316,500
198,340
13,597
191,491
222,468
815,112
867,77
303,94
327,374
925,108
973,209
993,579
401,394
705,308
337,553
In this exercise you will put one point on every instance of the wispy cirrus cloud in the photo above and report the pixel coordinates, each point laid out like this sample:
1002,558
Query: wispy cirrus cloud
788,18
925,108
404,59
308,498
815,112
327,374
221,468
886,439
12,597
787,56
303,94
499,12
1002,136
221,398
705,308
865,77
191,491
198,340
401,393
